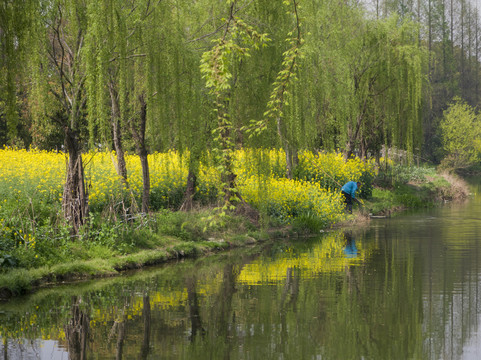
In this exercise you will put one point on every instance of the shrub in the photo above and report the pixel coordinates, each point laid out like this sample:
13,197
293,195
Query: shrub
287,199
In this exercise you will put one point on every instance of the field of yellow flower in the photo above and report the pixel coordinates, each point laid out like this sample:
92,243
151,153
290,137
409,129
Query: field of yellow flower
32,177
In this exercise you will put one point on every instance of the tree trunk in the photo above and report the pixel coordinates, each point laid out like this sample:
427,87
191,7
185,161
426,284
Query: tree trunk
353,134
363,149
228,179
121,166
139,137
146,180
227,149
75,195
189,191
292,160
291,153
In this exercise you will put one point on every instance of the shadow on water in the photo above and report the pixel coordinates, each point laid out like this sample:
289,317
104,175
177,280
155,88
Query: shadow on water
401,288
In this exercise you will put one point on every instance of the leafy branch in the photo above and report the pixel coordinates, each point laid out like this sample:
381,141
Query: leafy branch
285,77
216,66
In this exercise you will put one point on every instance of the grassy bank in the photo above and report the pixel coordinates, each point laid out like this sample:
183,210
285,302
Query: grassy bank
37,248
414,187
147,240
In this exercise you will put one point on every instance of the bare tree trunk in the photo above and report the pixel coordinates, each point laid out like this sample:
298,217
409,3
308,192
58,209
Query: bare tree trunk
352,135
75,195
146,180
292,160
229,181
363,148
65,59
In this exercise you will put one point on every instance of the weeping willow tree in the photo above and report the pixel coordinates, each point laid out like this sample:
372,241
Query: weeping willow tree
110,46
365,78
57,89
282,95
16,19
406,72
134,76
182,107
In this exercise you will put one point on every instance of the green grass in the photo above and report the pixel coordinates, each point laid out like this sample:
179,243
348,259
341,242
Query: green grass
413,188
109,248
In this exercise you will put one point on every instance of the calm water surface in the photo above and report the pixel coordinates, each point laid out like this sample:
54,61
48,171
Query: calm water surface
402,288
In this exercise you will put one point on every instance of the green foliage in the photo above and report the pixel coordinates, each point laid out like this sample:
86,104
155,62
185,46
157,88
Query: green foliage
362,79
402,196
461,133
308,224
217,71
408,186
7,261
404,174
286,77
180,225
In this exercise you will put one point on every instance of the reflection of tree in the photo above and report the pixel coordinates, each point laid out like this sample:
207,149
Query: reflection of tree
195,319
288,300
119,328
120,339
291,289
146,314
224,322
77,331
5,351
378,309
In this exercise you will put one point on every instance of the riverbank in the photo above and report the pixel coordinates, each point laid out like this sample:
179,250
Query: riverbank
164,236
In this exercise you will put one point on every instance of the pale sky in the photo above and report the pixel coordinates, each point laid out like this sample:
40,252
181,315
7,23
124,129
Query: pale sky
477,3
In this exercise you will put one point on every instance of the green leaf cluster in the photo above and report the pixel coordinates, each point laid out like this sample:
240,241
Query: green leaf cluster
461,133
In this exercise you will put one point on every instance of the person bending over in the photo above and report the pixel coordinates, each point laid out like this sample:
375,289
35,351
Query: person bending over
349,193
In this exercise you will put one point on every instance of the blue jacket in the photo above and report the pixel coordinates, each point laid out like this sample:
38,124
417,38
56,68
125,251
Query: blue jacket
350,188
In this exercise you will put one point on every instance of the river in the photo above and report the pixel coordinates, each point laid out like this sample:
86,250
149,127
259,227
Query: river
408,287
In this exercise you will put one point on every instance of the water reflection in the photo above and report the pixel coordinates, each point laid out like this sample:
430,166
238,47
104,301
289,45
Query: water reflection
77,330
350,250
406,287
